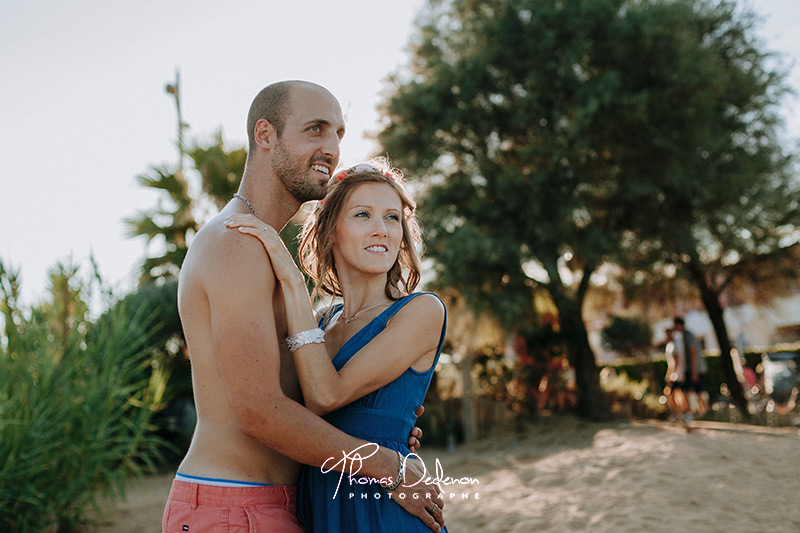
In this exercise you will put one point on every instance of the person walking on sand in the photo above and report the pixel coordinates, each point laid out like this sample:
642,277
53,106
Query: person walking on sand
242,466
676,374
695,370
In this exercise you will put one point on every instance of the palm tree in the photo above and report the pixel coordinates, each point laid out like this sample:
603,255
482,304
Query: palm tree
172,222
220,170
179,215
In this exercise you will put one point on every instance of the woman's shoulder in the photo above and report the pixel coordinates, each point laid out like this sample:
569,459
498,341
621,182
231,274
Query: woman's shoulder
427,304
425,296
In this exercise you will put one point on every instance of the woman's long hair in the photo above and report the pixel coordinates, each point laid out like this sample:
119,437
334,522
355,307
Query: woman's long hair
316,237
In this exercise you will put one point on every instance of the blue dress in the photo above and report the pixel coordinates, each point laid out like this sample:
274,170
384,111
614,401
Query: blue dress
384,416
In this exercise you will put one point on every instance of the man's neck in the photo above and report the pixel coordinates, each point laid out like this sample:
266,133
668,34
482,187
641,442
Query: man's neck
270,201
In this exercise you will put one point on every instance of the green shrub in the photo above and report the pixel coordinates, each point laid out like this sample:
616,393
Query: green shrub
75,410
712,381
630,397
628,336
176,422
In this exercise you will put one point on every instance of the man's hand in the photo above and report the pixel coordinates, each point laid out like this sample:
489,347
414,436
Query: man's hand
419,498
416,433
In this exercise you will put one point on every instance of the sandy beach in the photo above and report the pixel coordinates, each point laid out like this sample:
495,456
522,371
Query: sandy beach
562,475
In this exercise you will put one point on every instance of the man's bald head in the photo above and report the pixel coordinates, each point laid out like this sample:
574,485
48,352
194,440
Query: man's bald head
272,104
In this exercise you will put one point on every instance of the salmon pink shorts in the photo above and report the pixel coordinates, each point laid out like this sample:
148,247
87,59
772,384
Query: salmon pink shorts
201,508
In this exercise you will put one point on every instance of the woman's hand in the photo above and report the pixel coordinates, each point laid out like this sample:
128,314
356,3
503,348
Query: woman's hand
283,264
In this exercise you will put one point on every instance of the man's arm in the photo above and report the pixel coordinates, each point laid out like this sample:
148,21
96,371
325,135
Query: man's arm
240,287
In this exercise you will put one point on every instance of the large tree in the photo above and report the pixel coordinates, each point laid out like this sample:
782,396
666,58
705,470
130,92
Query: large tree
491,115
722,195
552,135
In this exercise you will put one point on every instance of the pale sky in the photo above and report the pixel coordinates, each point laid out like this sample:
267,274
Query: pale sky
83,109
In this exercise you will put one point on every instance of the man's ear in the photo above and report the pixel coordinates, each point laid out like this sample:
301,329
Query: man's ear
264,134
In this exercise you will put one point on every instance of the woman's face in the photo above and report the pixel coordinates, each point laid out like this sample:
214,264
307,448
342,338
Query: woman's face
369,229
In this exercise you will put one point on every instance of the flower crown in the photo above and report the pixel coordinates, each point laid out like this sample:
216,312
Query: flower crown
362,167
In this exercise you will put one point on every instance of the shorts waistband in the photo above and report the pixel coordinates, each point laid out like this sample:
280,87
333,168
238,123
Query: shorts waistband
217,481
196,494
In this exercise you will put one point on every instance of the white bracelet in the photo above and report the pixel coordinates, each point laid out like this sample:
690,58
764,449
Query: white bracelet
301,338
399,479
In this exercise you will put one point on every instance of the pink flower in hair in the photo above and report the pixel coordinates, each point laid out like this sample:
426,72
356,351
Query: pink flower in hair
362,167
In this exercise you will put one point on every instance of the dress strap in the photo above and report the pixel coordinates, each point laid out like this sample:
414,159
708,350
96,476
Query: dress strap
399,304
386,315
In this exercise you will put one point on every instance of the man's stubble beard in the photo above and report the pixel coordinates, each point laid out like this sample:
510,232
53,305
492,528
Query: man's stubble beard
293,173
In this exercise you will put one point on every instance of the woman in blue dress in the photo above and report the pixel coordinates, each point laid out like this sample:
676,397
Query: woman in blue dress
366,363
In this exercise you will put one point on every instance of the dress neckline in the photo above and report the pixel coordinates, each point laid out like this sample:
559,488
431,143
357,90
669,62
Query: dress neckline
339,308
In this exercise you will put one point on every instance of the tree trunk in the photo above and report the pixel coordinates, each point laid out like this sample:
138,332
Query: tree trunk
468,419
710,299
592,403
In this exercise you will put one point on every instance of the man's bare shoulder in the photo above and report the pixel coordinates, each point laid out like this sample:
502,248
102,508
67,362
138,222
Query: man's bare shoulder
220,256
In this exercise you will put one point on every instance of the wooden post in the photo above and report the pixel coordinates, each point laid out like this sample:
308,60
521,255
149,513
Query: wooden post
468,395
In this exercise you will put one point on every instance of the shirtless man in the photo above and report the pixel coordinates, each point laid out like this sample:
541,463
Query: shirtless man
242,466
